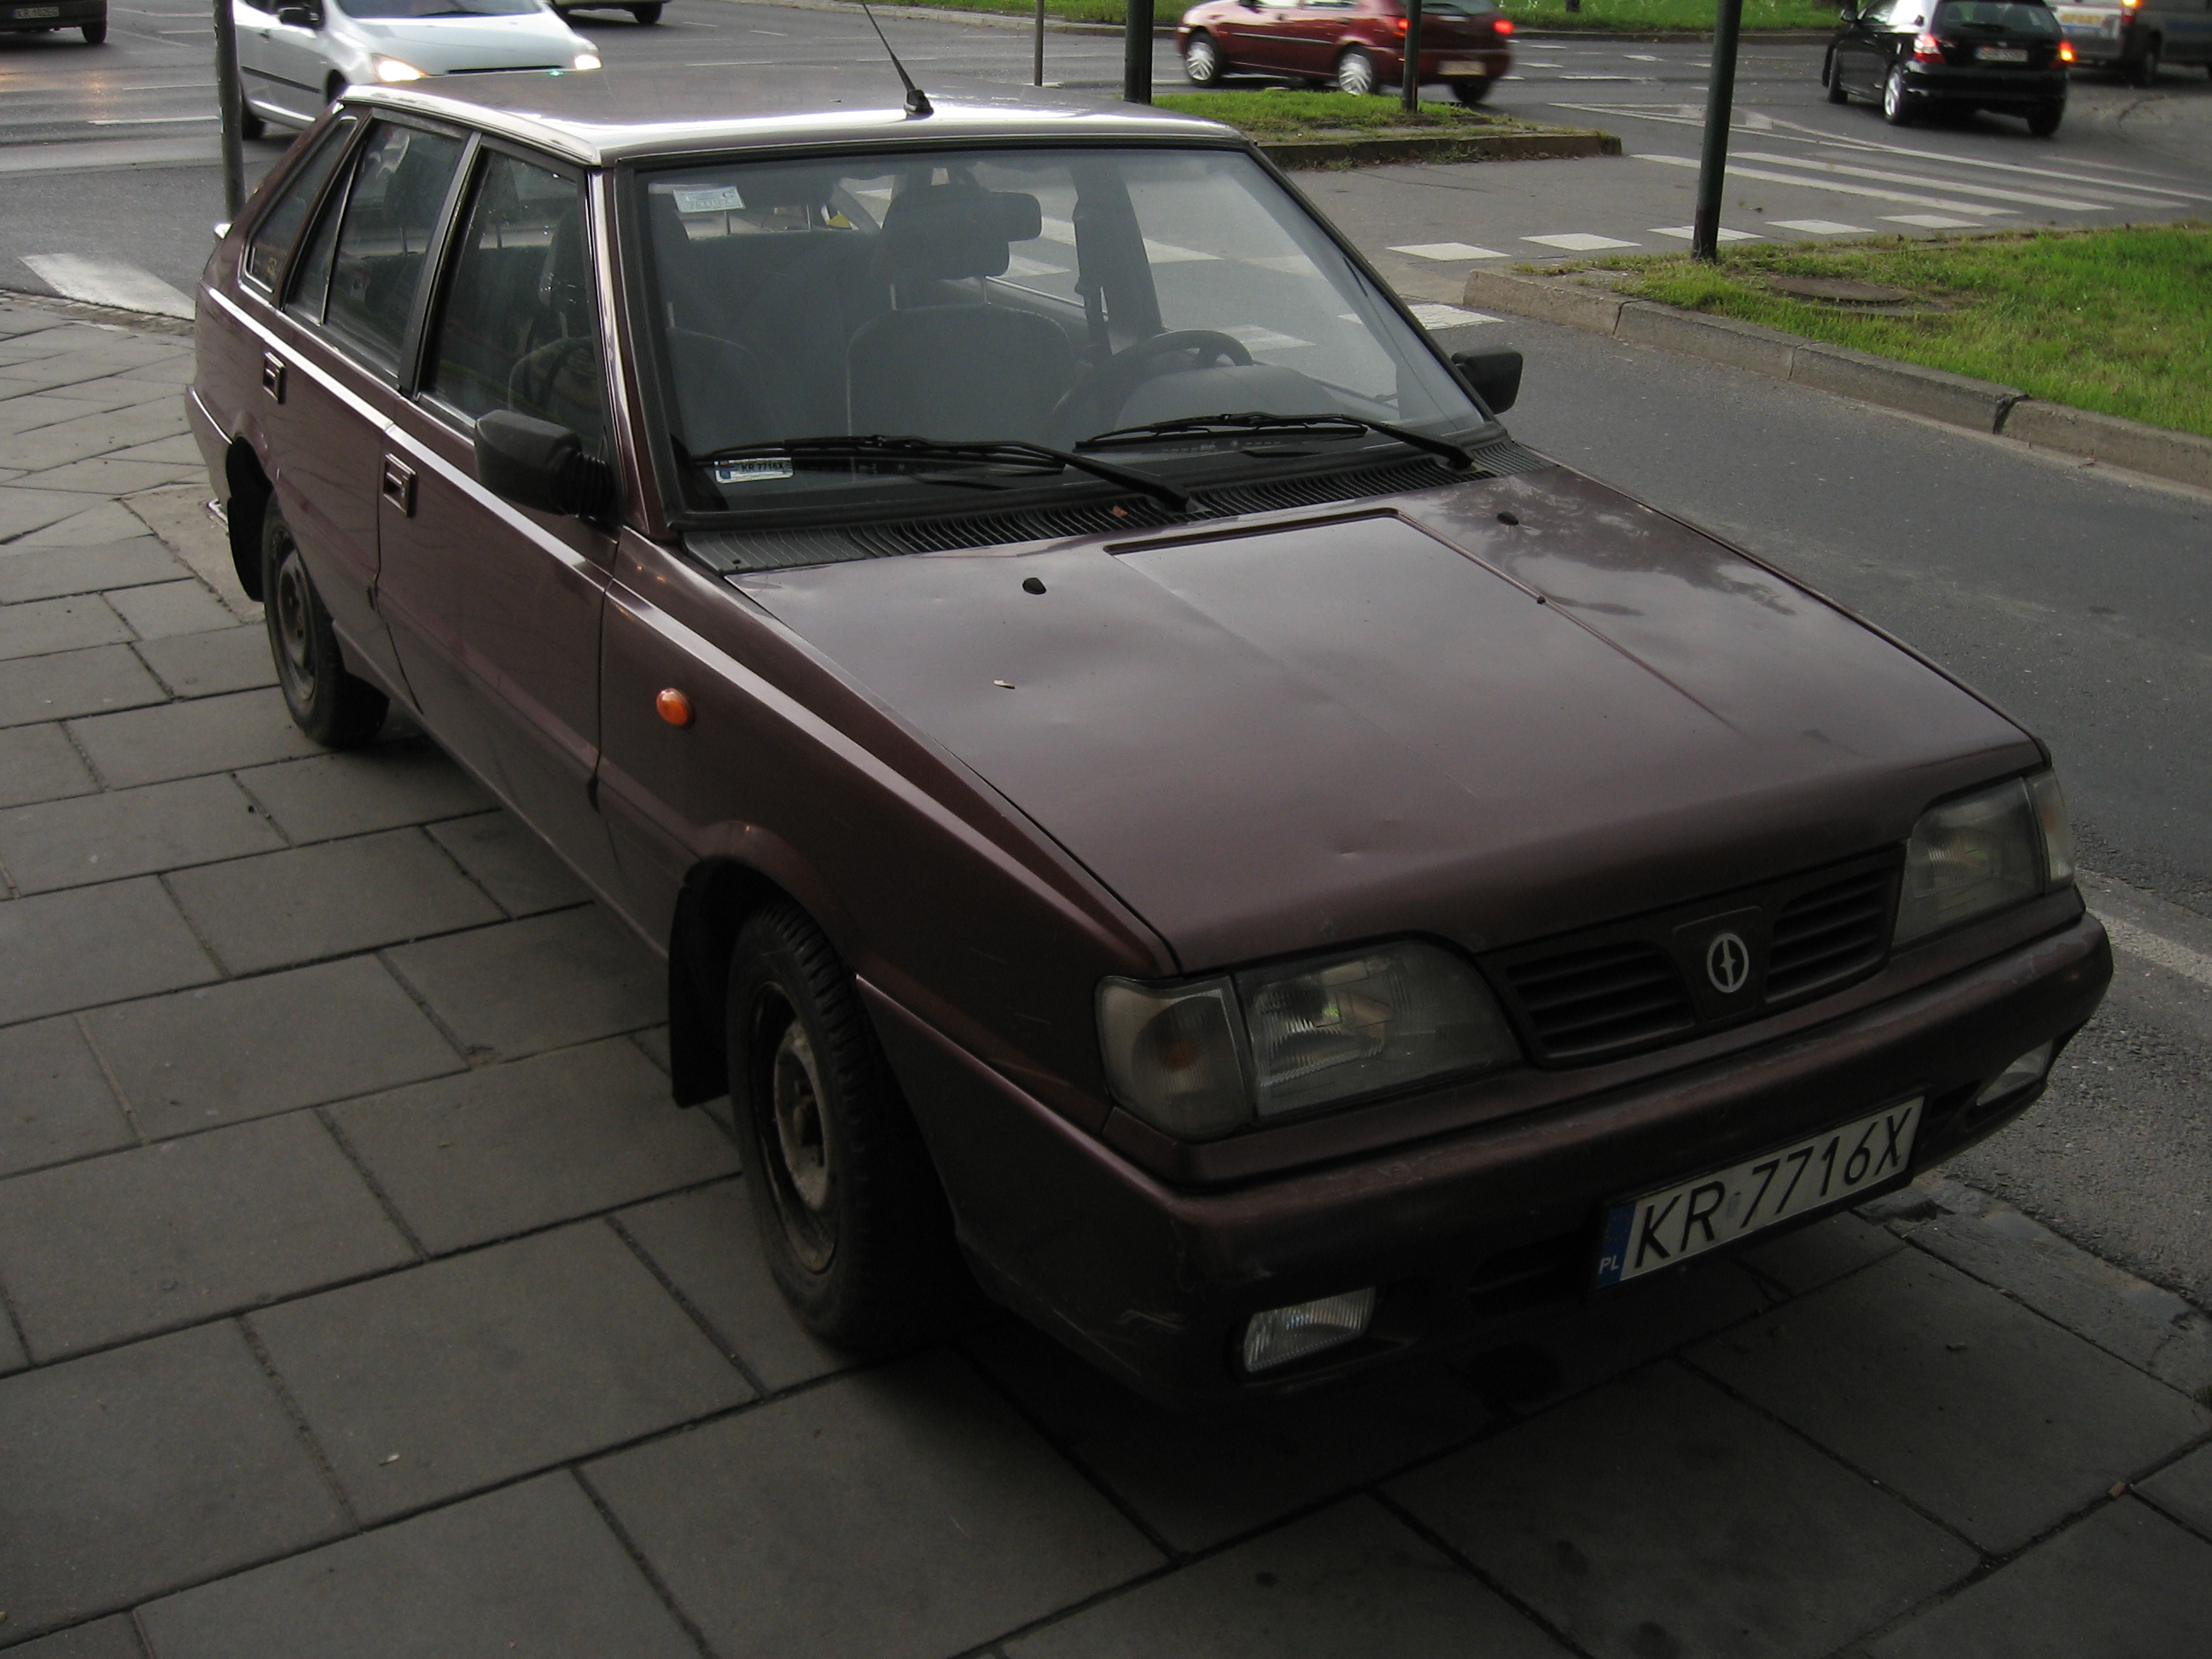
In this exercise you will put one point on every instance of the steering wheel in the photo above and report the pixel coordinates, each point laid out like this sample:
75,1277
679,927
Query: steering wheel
1092,402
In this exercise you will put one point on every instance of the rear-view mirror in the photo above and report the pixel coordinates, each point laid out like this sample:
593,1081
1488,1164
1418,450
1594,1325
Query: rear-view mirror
1494,376
299,17
534,463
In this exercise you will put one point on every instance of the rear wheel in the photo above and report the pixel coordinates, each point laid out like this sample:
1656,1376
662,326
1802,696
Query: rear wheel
1355,73
1898,107
1201,62
250,125
330,705
1834,78
93,33
2043,122
851,1218
646,14
1473,92
2144,70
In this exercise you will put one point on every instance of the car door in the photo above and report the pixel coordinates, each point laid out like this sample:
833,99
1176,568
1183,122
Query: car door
1855,57
1314,31
281,65
1263,42
494,608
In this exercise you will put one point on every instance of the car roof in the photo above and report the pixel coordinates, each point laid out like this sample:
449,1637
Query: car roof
616,114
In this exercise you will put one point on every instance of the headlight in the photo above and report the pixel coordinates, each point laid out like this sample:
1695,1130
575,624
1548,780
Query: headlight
1984,853
586,60
390,70
1208,1056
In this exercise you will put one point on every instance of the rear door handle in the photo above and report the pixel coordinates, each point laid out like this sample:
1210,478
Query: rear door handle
399,484
272,375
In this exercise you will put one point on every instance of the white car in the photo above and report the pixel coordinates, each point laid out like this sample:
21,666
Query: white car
294,59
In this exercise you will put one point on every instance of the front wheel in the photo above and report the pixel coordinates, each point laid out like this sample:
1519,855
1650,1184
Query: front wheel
1834,78
93,33
850,1215
1355,73
1473,92
2045,122
250,125
1201,62
646,14
1898,106
330,705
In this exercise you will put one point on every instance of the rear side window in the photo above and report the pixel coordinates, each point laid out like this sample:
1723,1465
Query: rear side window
391,212
280,226
1995,17
520,325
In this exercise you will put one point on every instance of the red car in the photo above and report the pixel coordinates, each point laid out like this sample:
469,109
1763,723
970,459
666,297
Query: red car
1354,46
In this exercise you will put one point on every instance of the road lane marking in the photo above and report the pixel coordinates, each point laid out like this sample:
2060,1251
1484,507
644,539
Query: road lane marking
1430,315
1882,176
2012,167
1448,251
1579,241
1819,227
2154,948
1686,232
1840,188
1929,222
108,283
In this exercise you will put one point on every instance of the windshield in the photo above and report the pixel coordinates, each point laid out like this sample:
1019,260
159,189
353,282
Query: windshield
1041,297
2005,16
402,8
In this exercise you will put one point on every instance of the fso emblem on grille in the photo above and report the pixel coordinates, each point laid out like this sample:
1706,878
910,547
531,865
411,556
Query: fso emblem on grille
1728,962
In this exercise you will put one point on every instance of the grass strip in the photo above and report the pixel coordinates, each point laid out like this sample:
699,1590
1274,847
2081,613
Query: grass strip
2119,321
1286,114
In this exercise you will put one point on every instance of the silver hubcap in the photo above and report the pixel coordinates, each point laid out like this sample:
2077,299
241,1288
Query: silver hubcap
1892,96
1200,64
1356,75
293,600
802,1147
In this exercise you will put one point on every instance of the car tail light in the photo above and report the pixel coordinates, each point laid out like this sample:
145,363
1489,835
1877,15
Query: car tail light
1503,26
2065,51
1927,50
1402,26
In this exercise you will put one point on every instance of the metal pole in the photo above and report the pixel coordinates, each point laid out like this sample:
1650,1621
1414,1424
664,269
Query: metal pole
226,81
1137,54
1036,59
1720,108
1411,75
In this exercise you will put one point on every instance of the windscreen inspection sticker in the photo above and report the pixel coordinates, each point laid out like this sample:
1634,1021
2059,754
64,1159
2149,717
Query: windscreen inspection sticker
714,198
738,472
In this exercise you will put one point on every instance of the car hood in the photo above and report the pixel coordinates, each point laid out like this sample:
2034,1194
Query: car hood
1422,719
530,40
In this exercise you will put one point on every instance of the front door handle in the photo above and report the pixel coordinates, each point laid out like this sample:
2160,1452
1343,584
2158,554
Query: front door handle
272,375
399,484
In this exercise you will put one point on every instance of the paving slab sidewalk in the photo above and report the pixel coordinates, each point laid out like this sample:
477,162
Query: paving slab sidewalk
361,1294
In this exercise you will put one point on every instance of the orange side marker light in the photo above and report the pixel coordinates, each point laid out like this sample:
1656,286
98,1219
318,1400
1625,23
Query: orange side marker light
673,707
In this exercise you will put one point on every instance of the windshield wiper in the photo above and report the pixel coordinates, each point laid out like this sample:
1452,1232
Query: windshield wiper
1258,420
1007,452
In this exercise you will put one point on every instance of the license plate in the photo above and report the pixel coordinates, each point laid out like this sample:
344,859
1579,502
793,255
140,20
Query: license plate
22,12
1659,1229
2000,54
2100,22
1463,68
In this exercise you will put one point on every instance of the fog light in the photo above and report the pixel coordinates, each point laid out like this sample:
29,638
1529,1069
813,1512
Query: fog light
1282,1334
2028,1068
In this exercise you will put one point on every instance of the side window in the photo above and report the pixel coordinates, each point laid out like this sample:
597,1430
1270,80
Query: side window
392,210
519,327
280,226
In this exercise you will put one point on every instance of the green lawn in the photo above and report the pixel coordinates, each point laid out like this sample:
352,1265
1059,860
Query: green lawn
2119,320
1661,16
1284,114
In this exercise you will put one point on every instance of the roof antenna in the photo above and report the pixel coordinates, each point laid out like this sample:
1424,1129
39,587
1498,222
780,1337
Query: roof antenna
917,100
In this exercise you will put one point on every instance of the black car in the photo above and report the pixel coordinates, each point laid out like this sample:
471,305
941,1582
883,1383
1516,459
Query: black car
88,17
2004,55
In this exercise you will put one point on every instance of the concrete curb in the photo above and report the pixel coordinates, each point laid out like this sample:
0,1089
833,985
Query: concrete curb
1978,405
1473,147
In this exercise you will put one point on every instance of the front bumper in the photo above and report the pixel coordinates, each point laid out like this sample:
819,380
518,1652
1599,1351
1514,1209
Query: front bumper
1987,88
1461,1232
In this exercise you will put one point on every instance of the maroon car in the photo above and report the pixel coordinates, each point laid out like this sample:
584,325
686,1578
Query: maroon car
1354,46
1151,801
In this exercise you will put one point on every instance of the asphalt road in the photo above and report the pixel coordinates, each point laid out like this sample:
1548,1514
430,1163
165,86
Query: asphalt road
2078,600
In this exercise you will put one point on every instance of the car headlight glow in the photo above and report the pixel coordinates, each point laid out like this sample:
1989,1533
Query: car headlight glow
586,60
1209,1057
1985,853
391,71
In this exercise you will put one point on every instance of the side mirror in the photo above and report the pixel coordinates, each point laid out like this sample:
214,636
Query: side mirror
534,463
1492,376
299,17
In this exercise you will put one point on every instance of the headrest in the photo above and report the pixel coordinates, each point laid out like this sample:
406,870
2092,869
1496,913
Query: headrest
946,231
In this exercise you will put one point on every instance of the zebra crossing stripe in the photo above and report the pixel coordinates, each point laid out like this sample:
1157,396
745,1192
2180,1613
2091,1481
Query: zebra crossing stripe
108,283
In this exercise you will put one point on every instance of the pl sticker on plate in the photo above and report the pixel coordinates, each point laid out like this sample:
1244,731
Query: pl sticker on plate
1659,1229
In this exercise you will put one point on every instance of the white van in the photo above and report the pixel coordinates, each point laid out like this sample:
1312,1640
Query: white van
2137,35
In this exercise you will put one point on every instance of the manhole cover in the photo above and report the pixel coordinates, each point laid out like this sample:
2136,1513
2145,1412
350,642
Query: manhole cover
1840,290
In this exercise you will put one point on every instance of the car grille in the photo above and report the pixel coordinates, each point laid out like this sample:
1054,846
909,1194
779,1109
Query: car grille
1611,990
730,551
1601,999
1828,933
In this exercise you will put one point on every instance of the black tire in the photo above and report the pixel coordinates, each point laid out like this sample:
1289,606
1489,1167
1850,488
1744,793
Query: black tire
1473,92
330,705
2043,122
1832,75
1355,73
1898,107
250,125
2144,70
93,33
851,1218
1202,62
646,14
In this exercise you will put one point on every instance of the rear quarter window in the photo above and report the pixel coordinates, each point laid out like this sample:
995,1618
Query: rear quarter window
1994,16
